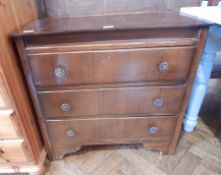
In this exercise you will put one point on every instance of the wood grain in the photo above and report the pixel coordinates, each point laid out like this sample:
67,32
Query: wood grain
111,96
5,99
109,131
112,101
10,127
113,37
123,22
198,153
111,66
115,44
195,160
13,152
13,15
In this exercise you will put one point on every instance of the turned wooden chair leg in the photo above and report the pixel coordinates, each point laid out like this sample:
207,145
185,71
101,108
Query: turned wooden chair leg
213,44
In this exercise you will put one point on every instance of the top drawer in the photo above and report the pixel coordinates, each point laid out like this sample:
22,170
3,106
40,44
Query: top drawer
166,64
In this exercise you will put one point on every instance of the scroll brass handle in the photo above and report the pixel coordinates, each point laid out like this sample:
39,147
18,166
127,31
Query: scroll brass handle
153,130
59,73
164,67
70,133
158,102
65,107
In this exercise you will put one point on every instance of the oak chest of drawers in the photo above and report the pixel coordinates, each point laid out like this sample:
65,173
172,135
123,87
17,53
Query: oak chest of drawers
111,79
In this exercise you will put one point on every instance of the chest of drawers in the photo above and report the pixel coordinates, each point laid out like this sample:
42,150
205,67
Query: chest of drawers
110,79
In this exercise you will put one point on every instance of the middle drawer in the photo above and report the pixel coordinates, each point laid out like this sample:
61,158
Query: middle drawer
165,100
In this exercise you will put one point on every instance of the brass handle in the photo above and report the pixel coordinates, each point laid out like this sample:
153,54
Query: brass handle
164,67
59,73
65,107
158,102
70,133
153,130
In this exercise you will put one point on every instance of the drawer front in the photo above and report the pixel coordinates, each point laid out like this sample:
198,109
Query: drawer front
5,99
104,131
112,66
9,127
13,152
113,101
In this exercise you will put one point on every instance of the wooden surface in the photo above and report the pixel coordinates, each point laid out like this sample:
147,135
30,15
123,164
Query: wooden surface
112,39
109,131
124,44
198,153
100,102
14,14
109,95
5,100
63,8
13,152
10,128
109,23
97,67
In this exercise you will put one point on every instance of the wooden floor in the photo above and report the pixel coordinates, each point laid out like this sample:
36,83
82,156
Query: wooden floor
198,153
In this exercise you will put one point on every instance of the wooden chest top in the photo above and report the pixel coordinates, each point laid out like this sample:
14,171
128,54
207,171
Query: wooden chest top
109,23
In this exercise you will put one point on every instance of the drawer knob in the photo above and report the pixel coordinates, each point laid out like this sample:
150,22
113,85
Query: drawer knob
59,72
153,130
164,67
158,102
65,107
70,133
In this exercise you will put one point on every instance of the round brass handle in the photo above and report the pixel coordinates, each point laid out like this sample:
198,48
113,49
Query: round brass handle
164,67
65,107
153,130
59,73
70,133
158,102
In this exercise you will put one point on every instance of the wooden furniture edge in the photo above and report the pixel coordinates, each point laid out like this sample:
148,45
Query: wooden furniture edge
31,168
201,43
32,146
32,91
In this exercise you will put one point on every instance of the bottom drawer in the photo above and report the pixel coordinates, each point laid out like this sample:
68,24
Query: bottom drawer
12,151
68,135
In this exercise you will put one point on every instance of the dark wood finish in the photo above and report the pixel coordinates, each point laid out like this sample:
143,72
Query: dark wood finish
63,8
122,22
108,131
117,96
114,37
114,44
111,66
20,141
113,101
26,69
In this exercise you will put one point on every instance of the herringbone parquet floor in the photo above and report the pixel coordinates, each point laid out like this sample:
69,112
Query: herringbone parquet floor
198,153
